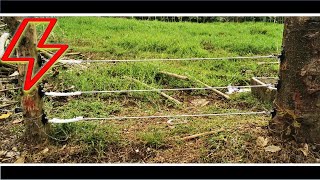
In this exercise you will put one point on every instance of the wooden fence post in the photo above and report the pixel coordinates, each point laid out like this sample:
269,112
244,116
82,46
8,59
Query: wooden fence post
31,101
297,101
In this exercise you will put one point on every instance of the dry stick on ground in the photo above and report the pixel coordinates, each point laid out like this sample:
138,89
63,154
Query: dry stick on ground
6,69
202,134
45,54
4,82
13,67
4,90
212,89
175,75
193,79
74,53
257,80
261,63
6,105
8,101
48,55
161,93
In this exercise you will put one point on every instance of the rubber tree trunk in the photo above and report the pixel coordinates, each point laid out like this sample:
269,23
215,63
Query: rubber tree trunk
31,102
297,101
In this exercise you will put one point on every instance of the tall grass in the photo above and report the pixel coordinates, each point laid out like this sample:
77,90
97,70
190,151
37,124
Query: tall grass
201,19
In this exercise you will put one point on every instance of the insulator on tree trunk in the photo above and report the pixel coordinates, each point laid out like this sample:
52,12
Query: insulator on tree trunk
18,110
278,85
40,90
44,119
282,55
273,113
40,61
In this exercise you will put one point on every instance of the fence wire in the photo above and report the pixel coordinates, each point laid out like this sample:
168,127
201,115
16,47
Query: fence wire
80,118
78,61
78,93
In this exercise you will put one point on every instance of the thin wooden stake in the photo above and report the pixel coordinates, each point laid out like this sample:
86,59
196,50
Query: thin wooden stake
175,75
161,93
212,89
194,79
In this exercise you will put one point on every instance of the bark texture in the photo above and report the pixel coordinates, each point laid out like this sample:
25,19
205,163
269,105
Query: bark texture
297,101
31,102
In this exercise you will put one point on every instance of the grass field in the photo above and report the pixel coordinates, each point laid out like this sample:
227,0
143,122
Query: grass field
154,140
113,38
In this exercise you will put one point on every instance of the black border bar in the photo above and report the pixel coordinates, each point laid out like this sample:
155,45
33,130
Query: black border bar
13,6
160,172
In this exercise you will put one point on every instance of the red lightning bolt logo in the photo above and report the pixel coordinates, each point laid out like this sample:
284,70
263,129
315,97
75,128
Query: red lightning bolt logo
29,80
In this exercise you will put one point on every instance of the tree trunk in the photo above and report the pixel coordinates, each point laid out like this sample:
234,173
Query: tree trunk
31,101
297,102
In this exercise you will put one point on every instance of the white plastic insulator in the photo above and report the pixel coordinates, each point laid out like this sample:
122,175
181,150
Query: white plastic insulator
77,93
56,120
71,61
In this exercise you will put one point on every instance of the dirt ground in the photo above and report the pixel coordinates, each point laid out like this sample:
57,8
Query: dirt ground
244,143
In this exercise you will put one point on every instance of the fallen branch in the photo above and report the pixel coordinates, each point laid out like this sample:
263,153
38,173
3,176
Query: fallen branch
8,101
161,93
7,78
258,81
175,75
213,89
6,105
13,67
4,82
46,54
74,53
4,90
201,134
261,63
6,69
49,55
194,79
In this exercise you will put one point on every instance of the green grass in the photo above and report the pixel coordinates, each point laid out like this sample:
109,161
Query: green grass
138,38
129,38
154,137
117,38
114,38
95,136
